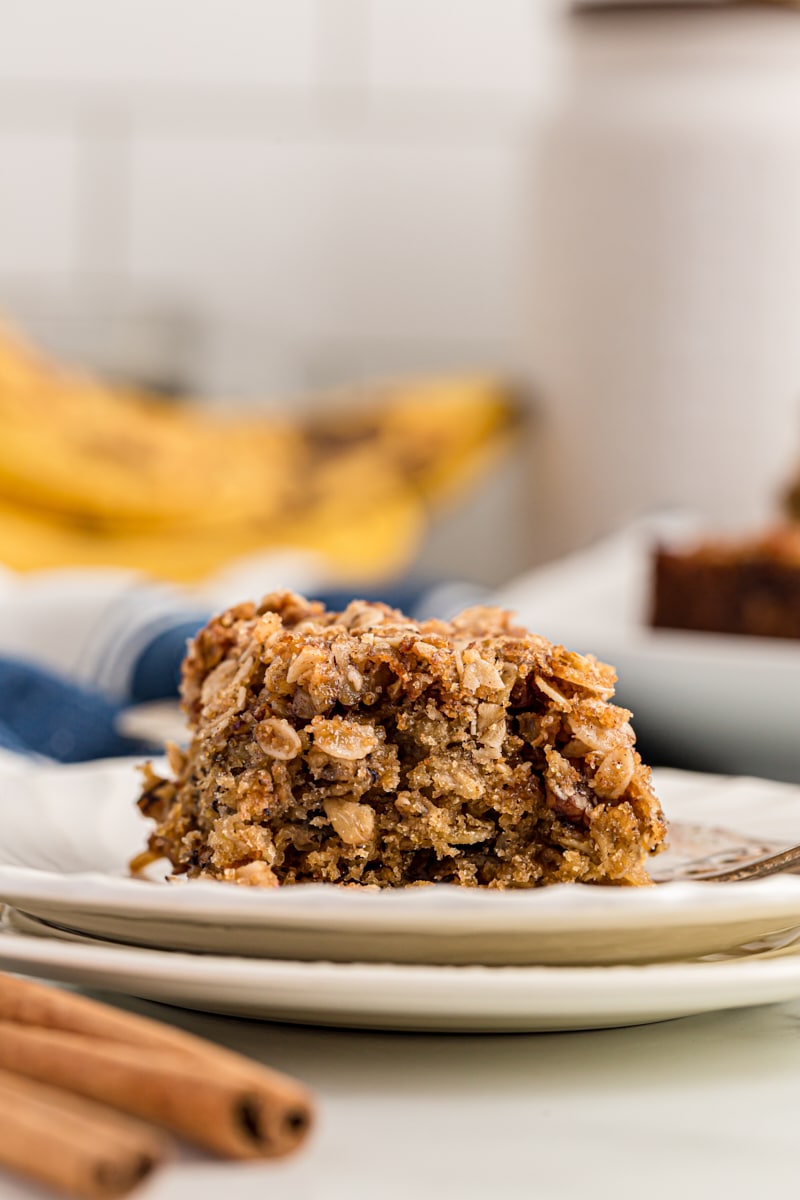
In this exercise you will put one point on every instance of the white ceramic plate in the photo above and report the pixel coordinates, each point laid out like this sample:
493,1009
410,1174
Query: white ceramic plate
69,832
388,996
709,701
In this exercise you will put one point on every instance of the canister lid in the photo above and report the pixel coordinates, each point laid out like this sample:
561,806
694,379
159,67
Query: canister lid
676,4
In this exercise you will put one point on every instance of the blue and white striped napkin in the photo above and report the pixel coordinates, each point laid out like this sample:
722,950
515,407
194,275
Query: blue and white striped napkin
79,647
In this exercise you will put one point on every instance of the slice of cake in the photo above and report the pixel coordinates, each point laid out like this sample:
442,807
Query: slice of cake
365,748
750,586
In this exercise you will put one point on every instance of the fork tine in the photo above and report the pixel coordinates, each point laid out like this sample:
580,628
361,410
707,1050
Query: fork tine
760,869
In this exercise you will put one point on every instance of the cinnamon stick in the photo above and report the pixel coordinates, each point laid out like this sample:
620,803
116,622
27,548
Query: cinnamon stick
209,1094
31,1003
73,1144
237,1114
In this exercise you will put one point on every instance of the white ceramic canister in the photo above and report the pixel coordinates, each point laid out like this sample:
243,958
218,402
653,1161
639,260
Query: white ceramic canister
663,332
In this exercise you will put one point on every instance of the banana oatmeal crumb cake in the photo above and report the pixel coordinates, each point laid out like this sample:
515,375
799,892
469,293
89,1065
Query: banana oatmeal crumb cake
366,748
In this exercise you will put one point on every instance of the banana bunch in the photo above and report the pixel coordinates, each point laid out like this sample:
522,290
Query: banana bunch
92,474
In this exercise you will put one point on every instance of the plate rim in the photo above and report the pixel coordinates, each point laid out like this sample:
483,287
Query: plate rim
204,902
390,996
206,963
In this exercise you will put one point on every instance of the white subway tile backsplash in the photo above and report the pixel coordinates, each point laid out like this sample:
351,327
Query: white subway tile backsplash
245,362
470,45
103,217
39,191
419,239
319,191
162,42
95,324
342,42
333,240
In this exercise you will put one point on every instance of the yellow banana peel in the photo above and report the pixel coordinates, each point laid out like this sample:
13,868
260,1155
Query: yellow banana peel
92,474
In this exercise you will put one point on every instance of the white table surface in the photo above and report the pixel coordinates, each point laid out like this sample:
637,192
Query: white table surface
701,1107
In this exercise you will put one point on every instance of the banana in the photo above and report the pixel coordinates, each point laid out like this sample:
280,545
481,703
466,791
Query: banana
370,545
93,474
70,444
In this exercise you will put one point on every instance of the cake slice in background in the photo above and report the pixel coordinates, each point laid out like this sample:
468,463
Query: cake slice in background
745,586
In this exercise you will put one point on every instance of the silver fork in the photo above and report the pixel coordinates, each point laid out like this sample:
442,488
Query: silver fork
759,868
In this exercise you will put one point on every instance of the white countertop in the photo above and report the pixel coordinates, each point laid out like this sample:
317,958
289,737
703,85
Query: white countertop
698,1107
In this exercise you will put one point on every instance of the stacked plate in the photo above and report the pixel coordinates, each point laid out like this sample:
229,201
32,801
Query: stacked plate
566,957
